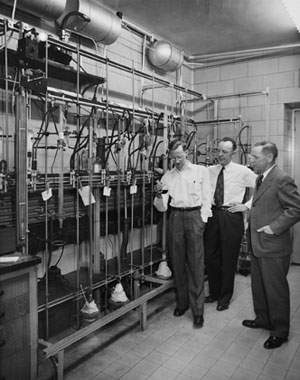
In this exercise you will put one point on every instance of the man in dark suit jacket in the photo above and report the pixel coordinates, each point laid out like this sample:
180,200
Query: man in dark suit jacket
275,209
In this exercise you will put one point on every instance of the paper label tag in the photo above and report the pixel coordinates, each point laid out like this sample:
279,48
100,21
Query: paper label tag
86,195
106,191
47,194
133,189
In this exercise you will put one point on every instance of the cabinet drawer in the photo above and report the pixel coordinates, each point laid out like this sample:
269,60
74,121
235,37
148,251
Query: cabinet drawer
14,336
14,308
16,366
14,287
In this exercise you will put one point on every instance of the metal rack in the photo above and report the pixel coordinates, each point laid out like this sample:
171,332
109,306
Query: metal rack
34,92
117,171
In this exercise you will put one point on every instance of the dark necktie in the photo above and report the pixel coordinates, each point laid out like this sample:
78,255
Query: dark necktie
219,192
259,181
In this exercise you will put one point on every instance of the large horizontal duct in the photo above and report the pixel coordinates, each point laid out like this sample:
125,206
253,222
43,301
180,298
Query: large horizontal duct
91,19
49,9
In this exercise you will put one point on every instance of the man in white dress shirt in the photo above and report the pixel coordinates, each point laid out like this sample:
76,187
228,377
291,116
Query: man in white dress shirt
188,197
225,229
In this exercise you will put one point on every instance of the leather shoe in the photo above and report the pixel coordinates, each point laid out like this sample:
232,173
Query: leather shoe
222,306
274,342
209,299
179,312
252,324
198,321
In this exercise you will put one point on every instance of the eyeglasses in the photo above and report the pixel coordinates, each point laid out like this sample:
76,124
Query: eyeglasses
177,158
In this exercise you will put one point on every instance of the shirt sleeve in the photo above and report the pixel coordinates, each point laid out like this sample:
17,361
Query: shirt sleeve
161,204
206,195
248,204
249,178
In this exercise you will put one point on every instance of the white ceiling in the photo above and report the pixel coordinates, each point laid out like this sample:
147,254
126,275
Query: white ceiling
202,27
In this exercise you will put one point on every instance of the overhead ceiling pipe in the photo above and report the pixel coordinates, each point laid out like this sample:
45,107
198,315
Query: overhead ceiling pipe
220,58
161,54
126,24
239,53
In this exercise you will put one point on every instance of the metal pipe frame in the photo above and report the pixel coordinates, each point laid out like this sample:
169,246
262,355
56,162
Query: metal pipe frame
77,246
144,176
58,348
235,95
218,121
124,68
6,155
21,169
119,201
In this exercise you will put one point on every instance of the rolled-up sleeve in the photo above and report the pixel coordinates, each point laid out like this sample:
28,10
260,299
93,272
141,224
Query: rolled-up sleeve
161,204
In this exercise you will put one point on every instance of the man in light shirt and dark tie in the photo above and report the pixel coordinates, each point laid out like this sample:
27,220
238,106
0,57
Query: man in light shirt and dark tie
224,230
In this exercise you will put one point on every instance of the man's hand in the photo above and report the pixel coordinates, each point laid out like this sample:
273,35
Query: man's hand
266,229
237,207
158,188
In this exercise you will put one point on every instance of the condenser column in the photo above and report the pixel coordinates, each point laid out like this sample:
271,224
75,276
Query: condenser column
21,170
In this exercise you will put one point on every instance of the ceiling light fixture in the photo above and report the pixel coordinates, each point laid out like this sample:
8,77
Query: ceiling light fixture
293,9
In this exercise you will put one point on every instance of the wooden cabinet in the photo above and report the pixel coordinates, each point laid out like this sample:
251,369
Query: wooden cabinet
18,320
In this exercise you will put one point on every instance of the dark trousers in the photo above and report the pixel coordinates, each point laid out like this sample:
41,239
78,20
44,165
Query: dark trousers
270,292
222,241
185,242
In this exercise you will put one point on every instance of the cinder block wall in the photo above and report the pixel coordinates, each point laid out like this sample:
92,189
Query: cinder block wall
128,50
269,115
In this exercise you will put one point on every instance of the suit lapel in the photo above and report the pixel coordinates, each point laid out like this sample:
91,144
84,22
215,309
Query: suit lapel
265,184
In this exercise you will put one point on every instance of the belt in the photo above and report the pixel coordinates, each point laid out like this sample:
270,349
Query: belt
185,208
220,208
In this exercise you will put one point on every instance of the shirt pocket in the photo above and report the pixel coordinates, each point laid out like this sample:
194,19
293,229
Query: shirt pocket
195,187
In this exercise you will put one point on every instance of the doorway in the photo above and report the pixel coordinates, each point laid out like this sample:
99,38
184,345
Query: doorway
296,175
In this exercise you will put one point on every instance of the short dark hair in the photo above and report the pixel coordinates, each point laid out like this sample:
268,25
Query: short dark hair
174,144
268,147
233,142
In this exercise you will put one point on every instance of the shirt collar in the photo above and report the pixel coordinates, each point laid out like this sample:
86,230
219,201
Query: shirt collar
189,165
228,166
267,171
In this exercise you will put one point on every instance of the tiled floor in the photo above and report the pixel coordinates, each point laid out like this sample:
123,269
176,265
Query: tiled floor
171,348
